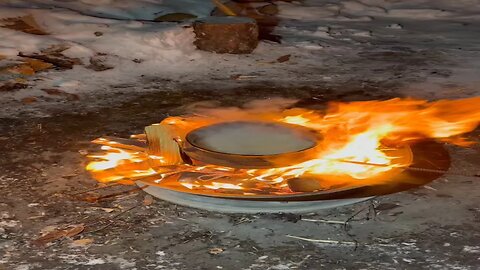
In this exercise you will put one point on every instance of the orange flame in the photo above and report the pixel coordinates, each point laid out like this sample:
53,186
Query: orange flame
362,141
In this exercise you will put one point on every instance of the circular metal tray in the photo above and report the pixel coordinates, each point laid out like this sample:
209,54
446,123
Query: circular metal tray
426,154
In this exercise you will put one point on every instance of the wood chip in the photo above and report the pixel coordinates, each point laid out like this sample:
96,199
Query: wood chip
215,251
243,77
82,242
74,230
22,69
161,143
284,58
57,234
29,100
38,65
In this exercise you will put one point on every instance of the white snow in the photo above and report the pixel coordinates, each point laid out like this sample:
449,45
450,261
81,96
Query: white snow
328,41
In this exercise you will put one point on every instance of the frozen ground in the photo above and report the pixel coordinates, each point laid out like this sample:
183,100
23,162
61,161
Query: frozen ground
340,50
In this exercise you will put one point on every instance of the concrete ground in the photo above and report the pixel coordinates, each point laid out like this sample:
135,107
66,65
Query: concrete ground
434,227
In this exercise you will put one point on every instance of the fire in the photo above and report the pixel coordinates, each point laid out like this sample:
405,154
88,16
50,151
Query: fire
363,143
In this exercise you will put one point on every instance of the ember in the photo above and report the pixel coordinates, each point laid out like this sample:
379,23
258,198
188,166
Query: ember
358,144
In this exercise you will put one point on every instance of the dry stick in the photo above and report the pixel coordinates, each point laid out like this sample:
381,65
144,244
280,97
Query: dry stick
324,221
128,144
161,143
119,193
225,9
323,241
112,219
93,189
356,214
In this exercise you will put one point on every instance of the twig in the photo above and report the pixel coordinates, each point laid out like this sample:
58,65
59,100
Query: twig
119,193
93,189
225,9
429,187
324,221
336,242
112,219
354,215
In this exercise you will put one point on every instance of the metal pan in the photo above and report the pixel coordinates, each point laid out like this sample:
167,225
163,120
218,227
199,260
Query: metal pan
196,148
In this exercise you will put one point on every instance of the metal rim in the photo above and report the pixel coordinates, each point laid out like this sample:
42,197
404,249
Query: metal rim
239,206
427,154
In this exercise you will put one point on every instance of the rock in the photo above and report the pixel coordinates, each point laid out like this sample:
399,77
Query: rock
236,35
266,20
270,10
175,17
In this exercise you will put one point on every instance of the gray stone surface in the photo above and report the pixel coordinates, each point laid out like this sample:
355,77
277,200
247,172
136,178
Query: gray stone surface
433,227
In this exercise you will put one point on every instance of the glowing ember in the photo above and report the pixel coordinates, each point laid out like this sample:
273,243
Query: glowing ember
364,143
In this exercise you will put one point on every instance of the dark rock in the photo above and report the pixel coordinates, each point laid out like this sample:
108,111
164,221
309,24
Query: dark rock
270,10
98,63
236,35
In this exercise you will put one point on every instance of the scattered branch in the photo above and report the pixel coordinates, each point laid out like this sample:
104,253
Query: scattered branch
93,189
112,219
324,221
335,242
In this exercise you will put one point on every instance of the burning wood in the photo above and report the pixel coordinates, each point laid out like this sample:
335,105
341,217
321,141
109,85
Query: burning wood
363,143
162,147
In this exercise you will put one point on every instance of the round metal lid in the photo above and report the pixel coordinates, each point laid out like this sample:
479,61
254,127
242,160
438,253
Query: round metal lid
256,144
